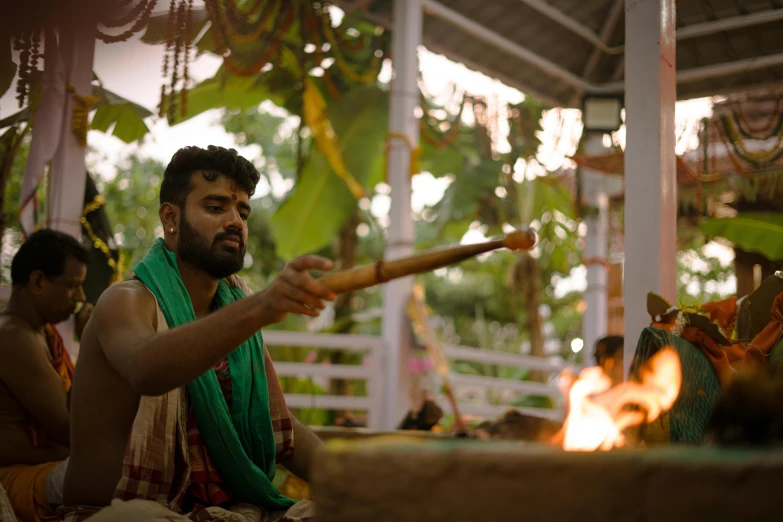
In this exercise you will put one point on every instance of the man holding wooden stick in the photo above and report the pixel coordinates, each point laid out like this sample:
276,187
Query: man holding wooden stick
175,399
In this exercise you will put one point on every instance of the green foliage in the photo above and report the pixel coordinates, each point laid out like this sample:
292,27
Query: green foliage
11,237
226,90
278,142
132,206
314,213
119,117
321,202
14,184
114,114
698,277
760,232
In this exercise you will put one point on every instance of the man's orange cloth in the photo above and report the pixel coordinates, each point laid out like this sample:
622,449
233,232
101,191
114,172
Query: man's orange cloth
26,485
759,349
735,356
61,362
26,489
724,313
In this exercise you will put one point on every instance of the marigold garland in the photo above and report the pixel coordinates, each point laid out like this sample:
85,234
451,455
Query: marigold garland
266,21
415,153
80,119
101,245
757,159
282,28
344,43
245,30
235,12
329,34
765,132
773,126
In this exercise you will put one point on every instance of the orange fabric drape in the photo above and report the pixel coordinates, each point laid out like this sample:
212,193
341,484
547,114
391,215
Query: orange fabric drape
735,356
758,350
26,489
61,362
721,357
723,312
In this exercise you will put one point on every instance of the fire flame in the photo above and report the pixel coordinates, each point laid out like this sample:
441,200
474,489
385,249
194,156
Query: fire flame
596,417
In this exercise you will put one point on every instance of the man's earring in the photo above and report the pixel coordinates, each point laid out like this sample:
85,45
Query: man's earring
171,230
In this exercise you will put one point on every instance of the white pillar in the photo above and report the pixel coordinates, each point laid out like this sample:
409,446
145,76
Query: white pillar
650,164
406,37
594,321
68,175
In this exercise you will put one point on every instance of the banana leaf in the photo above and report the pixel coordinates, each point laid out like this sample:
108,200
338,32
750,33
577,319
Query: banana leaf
118,116
760,232
321,202
114,115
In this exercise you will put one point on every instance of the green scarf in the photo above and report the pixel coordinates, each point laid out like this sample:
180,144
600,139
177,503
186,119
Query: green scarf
241,442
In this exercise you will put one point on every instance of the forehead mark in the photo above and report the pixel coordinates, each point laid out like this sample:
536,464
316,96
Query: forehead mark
233,197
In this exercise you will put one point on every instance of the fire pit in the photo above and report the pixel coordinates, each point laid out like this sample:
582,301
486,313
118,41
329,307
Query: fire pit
409,479
406,480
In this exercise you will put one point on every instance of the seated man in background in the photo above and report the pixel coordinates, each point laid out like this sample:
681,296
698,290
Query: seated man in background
609,356
35,370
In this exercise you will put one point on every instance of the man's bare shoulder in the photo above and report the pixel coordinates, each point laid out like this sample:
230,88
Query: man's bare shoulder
124,299
16,333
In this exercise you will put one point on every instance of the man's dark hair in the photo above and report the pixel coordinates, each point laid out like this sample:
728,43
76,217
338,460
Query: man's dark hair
608,346
46,250
215,162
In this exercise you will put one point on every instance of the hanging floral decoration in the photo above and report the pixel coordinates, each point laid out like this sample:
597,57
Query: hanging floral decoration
249,36
738,144
739,154
749,148
28,44
772,127
116,265
80,122
176,60
135,19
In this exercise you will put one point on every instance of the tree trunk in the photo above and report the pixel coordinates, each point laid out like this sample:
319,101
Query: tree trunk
527,281
744,270
346,258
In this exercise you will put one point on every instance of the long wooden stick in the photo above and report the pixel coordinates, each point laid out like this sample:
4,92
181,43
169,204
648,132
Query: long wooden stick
383,271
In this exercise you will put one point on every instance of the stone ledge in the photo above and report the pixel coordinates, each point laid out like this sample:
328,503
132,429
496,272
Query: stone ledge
410,480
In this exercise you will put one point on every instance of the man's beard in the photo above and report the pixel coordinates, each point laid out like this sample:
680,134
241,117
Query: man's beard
216,260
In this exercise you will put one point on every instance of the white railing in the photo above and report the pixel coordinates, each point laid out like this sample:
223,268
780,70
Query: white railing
373,374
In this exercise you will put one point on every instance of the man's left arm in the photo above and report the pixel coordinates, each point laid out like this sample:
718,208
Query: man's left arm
306,443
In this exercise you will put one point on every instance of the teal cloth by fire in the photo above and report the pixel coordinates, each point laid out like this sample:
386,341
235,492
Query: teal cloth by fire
699,391
241,442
